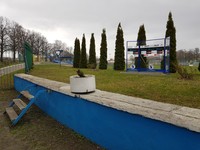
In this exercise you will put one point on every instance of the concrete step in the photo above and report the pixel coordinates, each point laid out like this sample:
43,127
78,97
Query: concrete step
19,103
11,113
27,94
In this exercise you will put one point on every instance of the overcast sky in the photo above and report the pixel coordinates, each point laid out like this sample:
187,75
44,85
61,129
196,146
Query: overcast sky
67,19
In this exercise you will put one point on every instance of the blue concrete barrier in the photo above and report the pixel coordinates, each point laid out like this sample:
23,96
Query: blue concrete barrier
111,128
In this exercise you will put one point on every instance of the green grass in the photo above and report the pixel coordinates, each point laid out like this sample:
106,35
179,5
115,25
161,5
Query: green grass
35,130
38,131
163,88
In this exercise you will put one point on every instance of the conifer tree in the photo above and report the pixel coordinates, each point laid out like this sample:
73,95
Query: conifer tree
103,51
119,63
76,62
141,40
171,32
92,53
83,60
141,36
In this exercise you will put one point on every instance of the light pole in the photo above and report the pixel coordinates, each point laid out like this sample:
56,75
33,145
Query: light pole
58,52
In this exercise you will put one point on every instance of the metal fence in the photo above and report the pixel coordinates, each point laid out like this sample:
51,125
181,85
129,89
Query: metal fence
6,75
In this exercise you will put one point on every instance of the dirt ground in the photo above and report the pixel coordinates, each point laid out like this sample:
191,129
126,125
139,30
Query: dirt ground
37,131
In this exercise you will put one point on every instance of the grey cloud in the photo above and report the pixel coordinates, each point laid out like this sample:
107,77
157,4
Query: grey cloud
75,17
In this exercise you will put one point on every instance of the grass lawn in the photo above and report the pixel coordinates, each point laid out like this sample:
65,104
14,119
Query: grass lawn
38,131
163,88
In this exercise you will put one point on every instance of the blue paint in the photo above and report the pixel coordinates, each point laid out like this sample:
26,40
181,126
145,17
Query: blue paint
111,128
32,101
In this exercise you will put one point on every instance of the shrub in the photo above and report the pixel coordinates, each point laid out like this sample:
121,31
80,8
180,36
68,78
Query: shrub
92,66
185,73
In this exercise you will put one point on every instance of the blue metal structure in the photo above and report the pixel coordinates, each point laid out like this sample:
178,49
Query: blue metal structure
31,98
156,50
59,58
111,128
68,60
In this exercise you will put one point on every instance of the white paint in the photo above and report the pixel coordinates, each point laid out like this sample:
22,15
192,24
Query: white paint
82,84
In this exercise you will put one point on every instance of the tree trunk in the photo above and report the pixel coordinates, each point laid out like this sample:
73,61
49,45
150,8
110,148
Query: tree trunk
14,53
1,59
2,41
38,55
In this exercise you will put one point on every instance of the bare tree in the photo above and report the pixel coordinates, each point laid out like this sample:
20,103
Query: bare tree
45,49
38,45
59,45
43,46
4,23
188,56
31,39
14,41
23,37
181,56
197,54
13,36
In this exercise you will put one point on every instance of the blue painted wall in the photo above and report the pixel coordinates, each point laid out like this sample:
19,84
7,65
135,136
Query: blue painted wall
111,128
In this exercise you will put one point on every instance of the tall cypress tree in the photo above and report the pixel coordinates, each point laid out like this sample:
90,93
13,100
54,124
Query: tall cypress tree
141,40
92,53
103,51
83,60
141,36
119,63
171,32
76,62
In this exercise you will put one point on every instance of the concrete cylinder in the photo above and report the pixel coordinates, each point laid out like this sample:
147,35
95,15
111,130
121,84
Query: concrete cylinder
85,84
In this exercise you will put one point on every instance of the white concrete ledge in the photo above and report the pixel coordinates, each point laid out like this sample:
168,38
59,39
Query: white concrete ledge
177,115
